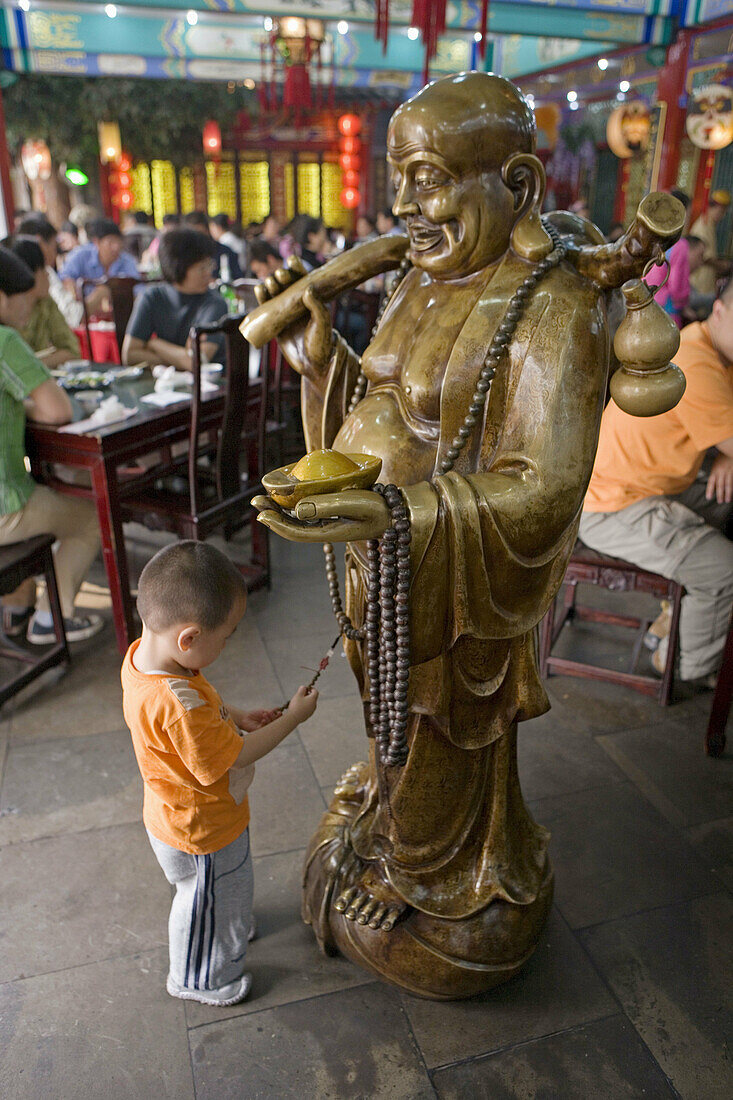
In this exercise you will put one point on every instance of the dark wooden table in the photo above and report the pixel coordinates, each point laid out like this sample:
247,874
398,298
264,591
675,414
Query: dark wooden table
104,452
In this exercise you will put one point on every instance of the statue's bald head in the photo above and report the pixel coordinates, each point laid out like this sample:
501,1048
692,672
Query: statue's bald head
473,120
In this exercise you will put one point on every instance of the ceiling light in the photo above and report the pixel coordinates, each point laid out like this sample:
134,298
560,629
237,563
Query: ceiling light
342,26
621,96
603,64
249,83
267,23
110,11
477,36
413,33
574,106
572,96
24,5
192,17
624,86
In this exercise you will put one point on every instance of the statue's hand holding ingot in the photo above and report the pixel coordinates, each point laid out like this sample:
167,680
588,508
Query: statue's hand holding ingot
307,344
351,515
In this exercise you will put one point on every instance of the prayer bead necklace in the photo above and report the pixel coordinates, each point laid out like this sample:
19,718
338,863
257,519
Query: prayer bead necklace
386,626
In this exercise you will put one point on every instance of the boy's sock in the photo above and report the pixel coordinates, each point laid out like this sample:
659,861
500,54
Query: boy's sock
230,994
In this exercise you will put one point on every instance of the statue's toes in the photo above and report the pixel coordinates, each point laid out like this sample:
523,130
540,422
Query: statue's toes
366,911
377,915
342,901
390,919
353,911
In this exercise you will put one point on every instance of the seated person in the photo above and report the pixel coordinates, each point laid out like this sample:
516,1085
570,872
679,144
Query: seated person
312,240
647,503
222,230
163,315
684,259
387,224
137,232
67,238
101,258
26,508
264,259
38,226
149,262
227,264
46,333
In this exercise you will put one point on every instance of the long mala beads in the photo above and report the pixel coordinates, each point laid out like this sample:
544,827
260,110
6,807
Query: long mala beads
386,624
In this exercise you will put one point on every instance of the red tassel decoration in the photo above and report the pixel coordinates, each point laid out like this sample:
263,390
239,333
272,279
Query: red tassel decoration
382,23
429,16
483,28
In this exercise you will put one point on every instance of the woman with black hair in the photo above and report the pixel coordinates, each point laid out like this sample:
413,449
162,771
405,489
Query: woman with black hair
163,315
26,508
46,333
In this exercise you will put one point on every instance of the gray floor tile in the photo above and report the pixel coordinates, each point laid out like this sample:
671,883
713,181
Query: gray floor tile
87,700
243,675
285,961
671,969
614,855
69,785
714,842
285,799
557,989
555,760
104,1030
346,1046
81,898
668,764
605,1059
335,738
591,706
295,662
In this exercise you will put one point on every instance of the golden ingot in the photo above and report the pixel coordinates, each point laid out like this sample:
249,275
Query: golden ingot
323,471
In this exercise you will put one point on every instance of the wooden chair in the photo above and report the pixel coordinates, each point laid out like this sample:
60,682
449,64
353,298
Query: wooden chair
18,561
122,295
615,575
206,489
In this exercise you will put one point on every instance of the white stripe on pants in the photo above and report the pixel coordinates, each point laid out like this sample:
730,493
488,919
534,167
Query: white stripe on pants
211,913
678,537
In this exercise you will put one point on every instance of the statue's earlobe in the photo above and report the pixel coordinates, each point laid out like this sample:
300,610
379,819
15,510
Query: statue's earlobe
524,175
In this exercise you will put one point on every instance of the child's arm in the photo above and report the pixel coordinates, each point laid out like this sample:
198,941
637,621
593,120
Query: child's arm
264,740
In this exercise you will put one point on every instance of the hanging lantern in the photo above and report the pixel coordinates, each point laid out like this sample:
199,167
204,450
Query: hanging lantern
350,162
110,142
212,138
350,178
350,198
295,43
36,159
349,125
350,145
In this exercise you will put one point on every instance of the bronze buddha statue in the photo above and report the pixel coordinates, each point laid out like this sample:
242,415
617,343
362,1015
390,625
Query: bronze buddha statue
433,874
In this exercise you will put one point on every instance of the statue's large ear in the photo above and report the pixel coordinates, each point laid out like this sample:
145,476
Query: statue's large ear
525,177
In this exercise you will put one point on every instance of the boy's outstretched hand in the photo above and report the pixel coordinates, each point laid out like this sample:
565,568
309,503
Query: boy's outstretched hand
251,720
303,704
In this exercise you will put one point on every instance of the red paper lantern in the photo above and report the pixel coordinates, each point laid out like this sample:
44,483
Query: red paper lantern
124,164
350,198
349,125
350,162
125,198
350,179
212,137
350,145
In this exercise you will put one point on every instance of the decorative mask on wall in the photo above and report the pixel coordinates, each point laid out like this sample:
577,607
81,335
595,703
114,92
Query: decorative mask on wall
628,129
710,116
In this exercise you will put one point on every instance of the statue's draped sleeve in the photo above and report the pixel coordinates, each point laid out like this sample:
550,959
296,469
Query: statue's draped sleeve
492,537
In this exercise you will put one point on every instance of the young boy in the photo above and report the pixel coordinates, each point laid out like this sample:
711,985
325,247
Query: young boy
196,764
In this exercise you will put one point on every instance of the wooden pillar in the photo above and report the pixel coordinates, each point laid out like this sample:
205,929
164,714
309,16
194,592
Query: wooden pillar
671,93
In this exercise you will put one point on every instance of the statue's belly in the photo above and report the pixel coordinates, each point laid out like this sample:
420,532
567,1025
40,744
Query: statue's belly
383,425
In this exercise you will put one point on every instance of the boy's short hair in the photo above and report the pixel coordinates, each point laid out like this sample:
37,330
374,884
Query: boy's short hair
180,249
188,582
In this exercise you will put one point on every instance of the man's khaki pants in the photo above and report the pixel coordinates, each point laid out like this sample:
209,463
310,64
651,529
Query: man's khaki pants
681,538
74,524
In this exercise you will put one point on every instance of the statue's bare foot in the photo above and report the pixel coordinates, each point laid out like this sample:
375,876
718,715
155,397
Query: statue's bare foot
351,785
369,901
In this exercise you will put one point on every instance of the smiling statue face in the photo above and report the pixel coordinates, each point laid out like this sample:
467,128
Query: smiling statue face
459,219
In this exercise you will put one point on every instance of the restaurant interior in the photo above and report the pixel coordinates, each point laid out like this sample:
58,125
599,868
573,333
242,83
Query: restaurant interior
270,292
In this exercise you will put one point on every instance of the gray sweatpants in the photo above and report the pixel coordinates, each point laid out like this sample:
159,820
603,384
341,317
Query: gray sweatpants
681,538
211,913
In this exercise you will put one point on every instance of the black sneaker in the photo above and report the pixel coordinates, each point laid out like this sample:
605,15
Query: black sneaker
16,622
77,629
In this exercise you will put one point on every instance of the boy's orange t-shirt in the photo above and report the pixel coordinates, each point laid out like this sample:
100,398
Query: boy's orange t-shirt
185,744
649,456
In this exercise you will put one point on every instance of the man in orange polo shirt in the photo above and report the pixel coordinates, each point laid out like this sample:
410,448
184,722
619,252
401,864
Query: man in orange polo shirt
648,501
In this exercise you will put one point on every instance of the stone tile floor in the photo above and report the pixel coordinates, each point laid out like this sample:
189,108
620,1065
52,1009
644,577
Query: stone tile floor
625,996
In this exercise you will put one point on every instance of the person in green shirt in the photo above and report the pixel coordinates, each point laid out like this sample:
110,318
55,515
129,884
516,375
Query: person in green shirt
27,508
47,333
